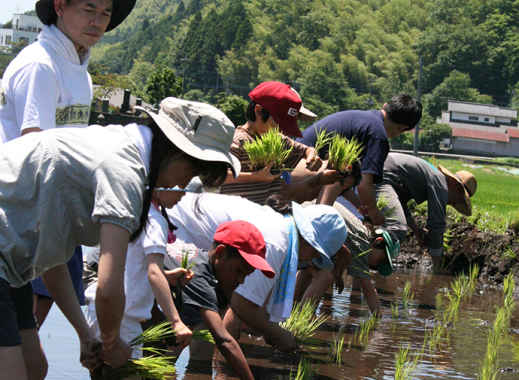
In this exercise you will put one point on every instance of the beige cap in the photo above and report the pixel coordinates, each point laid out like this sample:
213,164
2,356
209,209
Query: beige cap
466,183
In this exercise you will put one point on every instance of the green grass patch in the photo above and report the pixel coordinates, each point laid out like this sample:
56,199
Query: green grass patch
495,204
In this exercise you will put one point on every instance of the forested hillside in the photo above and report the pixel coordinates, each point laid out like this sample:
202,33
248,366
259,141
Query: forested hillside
339,54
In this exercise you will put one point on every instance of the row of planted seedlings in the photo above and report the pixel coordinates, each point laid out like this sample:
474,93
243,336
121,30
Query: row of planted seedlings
461,288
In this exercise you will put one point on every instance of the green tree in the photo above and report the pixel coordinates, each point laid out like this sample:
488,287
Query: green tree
161,84
456,86
233,106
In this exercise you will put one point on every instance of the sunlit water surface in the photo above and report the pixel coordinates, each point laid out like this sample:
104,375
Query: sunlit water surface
460,355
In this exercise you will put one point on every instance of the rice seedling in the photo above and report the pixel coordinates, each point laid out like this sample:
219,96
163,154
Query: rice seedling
185,260
153,367
153,334
407,296
337,347
303,322
394,311
496,335
158,365
323,138
403,366
383,206
304,370
203,335
268,149
343,153
361,336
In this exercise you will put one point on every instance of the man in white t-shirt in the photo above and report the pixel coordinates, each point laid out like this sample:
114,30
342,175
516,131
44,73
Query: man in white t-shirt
47,85
314,234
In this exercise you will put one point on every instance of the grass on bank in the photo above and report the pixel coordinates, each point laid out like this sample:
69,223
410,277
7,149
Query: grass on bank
495,204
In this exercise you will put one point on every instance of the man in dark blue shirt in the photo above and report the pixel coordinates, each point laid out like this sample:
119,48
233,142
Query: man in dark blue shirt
372,129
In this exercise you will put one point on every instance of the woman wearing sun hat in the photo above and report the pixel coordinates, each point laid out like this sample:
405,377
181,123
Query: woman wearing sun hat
47,86
65,187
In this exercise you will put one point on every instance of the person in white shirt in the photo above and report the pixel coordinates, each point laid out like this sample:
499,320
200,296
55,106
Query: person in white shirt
145,280
47,86
92,185
307,235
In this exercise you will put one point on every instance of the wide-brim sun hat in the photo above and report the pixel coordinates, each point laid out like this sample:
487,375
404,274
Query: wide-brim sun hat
323,228
466,184
121,9
198,129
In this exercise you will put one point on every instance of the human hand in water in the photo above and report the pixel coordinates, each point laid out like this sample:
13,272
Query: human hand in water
115,353
183,334
90,353
283,340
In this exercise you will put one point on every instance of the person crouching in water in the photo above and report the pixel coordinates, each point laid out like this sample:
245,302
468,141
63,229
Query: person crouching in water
238,249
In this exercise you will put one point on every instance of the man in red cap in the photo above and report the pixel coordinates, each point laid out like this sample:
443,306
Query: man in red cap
273,105
238,249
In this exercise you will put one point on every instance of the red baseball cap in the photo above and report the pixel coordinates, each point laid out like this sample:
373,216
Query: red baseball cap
282,102
248,240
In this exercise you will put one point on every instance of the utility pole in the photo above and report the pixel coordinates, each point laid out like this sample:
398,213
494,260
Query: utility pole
419,96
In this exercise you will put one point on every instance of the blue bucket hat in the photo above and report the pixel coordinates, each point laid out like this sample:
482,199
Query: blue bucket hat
323,228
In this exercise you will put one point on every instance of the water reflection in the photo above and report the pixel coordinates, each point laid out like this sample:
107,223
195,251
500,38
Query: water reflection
459,356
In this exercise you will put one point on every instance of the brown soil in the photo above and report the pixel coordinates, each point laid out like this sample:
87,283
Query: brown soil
469,246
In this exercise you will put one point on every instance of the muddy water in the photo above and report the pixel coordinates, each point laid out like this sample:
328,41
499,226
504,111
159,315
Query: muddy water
459,357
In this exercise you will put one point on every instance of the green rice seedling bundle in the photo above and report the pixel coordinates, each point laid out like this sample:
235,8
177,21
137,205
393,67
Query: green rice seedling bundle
268,149
323,138
303,323
158,365
304,370
343,153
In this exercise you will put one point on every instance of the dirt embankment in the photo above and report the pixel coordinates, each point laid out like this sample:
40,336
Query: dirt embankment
495,254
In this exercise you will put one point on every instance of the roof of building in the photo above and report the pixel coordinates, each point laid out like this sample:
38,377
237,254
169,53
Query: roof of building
513,133
481,109
480,134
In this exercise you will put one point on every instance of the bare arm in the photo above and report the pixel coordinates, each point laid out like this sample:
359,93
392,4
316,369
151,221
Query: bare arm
369,291
262,175
110,292
256,317
29,130
227,345
59,284
160,286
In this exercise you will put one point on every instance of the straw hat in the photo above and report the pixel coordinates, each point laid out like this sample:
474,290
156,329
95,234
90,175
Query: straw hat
466,184
198,129
121,9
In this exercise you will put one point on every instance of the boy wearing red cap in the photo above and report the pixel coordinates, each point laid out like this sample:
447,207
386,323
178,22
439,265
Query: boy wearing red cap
273,105
238,249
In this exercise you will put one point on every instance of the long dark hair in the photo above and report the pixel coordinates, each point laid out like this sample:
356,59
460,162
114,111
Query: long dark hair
211,173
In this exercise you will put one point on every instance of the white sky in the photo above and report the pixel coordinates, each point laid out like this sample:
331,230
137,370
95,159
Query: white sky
9,7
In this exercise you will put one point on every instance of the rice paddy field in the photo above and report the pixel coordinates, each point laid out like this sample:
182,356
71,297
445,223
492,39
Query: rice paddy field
431,327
